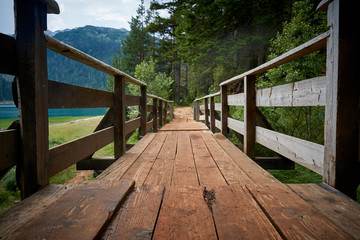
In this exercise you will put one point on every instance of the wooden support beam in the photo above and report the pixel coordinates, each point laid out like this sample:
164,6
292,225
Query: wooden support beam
165,112
224,110
143,113
249,116
212,114
8,55
341,165
171,111
206,112
119,116
32,89
196,111
160,113
155,114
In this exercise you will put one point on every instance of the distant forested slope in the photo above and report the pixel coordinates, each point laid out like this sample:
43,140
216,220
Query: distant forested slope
99,42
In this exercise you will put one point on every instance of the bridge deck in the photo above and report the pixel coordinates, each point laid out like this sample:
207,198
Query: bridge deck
179,184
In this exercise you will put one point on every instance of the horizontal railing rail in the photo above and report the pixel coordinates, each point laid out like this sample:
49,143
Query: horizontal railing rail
37,164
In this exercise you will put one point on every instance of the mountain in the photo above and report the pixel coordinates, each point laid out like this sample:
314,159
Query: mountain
99,42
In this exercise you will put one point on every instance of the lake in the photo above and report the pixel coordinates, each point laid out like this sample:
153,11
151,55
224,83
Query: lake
10,111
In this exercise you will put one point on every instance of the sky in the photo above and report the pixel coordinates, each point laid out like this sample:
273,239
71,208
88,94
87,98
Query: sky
78,13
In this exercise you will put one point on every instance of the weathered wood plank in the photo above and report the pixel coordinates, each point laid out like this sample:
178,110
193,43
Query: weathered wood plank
132,125
236,125
9,150
212,114
118,168
184,167
341,135
254,171
136,218
119,116
208,173
249,116
305,153
184,215
131,100
161,171
141,167
69,96
8,55
32,89
80,213
224,111
293,217
65,155
340,209
15,217
310,46
232,173
238,216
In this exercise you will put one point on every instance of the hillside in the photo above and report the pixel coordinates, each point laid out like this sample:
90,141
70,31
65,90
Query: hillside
99,42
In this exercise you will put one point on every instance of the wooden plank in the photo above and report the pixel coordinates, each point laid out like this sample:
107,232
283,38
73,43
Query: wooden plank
236,125
143,113
310,46
69,96
9,150
32,88
184,167
142,166
161,171
341,135
249,116
155,114
305,153
232,173
206,112
293,217
208,173
254,171
65,155
15,217
80,213
119,116
132,125
77,55
237,99
160,114
224,111
118,168
212,114
237,215
137,217
8,55
340,209
131,100
184,215
310,92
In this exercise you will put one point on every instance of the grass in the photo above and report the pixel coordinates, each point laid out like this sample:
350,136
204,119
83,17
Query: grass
61,130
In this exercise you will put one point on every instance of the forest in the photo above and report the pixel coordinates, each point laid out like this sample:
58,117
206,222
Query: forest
199,44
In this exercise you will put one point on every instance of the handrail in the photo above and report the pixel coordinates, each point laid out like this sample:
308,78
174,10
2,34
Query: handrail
26,59
79,56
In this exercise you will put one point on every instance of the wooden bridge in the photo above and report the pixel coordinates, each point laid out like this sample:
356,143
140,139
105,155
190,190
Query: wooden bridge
182,180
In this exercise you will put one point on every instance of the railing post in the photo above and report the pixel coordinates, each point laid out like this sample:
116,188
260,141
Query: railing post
171,111
165,111
155,115
119,116
224,110
341,143
206,112
249,116
212,114
32,89
197,111
143,113
160,113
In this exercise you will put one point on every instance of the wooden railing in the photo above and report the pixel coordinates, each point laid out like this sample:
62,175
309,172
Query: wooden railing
337,160
25,143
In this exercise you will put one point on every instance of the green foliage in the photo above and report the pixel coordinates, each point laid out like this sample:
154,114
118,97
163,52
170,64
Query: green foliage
299,175
159,84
